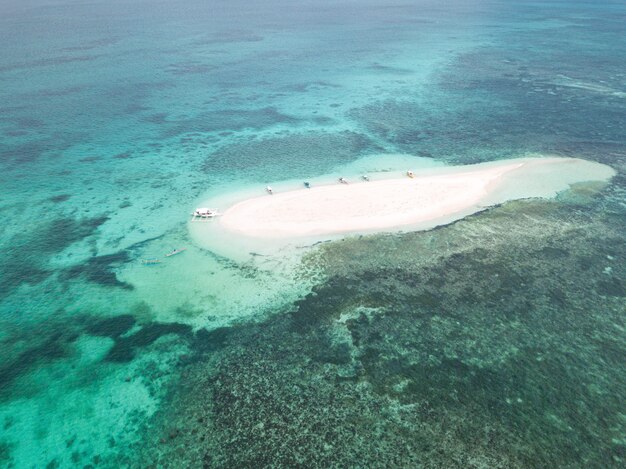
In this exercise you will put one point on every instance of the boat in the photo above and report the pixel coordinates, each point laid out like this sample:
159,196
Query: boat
175,251
343,180
365,177
410,174
307,184
150,261
269,190
204,213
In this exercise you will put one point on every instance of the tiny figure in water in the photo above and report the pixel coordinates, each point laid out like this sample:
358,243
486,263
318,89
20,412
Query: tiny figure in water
307,185
269,190
365,177
343,180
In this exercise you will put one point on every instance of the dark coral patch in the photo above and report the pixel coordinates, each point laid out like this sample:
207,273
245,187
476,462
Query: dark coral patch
59,198
293,155
125,348
611,287
98,269
90,159
229,119
5,452
210,341
25,255
53,347
63,232
111,327
550,252
151,332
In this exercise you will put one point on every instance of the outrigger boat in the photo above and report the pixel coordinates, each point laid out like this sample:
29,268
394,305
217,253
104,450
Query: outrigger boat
202,214
150,261
175,251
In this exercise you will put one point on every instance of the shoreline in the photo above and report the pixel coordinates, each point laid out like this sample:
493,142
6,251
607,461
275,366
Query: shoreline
435,196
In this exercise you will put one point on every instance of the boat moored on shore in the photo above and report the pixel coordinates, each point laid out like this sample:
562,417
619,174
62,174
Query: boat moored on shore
204,213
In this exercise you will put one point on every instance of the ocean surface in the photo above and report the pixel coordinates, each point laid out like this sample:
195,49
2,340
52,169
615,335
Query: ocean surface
496,341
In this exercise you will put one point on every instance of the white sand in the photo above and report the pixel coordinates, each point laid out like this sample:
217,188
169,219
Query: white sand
436,196
433,197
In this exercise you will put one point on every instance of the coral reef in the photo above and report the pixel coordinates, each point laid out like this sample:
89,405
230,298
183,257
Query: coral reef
493,342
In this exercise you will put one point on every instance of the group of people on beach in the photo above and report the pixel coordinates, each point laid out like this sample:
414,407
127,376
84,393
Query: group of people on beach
342,180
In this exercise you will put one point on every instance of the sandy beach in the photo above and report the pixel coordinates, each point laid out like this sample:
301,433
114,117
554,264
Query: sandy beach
435,197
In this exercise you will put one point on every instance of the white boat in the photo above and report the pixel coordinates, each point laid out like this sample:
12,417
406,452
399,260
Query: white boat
269,190
204,213
175,251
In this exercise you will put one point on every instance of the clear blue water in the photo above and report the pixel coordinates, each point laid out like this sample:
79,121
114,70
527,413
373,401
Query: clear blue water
502,344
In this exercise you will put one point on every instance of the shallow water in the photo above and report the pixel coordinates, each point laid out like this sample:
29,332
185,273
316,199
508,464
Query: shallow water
497,341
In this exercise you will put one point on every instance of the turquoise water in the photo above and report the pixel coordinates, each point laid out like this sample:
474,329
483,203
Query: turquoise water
497,341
